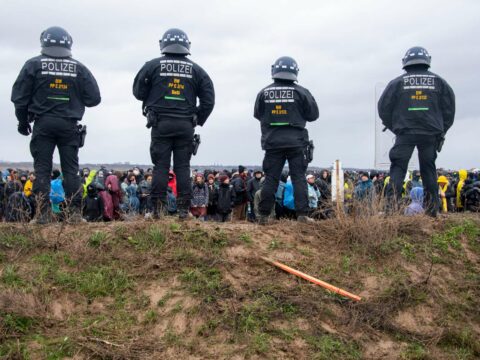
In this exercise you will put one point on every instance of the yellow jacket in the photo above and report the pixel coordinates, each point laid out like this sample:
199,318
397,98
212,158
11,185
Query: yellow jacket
462,174
89,180
27,189
443,189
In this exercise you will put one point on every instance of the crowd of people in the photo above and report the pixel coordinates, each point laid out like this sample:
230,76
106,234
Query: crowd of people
229,194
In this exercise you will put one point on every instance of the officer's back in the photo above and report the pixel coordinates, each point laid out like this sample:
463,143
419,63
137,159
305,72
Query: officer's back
169,87
283,109
52,90
55,86
418,102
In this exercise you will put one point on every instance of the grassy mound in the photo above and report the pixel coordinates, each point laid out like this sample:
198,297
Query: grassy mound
167,290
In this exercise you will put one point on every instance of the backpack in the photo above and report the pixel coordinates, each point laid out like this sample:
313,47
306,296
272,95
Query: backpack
57,193
18,208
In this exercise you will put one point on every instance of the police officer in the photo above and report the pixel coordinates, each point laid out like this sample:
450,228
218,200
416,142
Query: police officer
283,108
419,108
52,91
169,87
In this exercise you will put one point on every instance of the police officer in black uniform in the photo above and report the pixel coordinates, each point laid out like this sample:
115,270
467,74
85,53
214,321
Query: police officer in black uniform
52,91
419,108
283,109
169,87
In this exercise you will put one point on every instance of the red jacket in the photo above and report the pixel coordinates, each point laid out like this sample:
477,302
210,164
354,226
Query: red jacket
173,183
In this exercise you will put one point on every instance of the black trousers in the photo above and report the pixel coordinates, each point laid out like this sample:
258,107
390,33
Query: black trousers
400,155
48,133
273,164
161,149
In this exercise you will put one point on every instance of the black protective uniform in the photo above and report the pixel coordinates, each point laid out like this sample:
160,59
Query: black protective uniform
53,92
283,109
169,87
419,108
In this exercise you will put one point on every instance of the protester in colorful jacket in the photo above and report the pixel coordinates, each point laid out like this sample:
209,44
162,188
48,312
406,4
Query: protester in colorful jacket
313,192
446,194
200,193
462,177
416,205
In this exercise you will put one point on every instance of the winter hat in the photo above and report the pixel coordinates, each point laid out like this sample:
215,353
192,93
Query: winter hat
309,176
222,178
211,176
442,180
241,169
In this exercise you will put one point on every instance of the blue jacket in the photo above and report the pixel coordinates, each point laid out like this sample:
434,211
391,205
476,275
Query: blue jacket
364,190
288,199
313,197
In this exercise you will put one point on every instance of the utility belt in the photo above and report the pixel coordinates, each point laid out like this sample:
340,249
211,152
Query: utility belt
81,129
154,118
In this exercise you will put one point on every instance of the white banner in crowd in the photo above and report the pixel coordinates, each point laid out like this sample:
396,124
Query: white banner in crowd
337,182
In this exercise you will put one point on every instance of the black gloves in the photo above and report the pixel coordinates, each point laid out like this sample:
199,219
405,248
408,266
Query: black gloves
24,128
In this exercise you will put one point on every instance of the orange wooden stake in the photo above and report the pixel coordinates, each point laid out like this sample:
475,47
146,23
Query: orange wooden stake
313,280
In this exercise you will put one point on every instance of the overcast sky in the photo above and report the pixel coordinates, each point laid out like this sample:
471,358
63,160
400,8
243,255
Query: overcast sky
344,49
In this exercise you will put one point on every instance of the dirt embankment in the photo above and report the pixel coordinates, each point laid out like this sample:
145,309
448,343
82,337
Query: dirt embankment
171,290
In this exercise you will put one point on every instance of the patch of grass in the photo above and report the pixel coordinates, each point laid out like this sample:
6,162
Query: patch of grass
171,338
329,347
451,237
14,240
246,238
163,301
14,324
209,327
305,251
56,348
14,349
141,301
206,282
260,342
175,227
408,251
400,244
346,263
414,351
151,238
151,317
177,308
462,342
96,281
9,277
288,334
274,244
97,239
255,317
